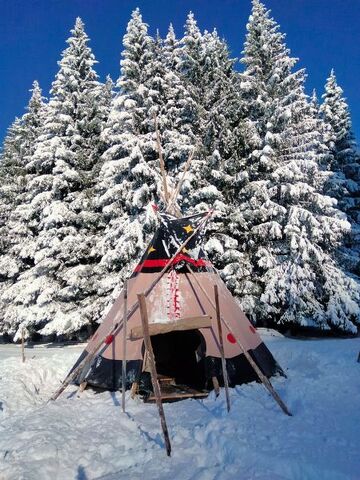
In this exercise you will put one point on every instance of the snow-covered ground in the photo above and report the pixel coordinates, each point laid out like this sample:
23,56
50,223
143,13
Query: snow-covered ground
89,437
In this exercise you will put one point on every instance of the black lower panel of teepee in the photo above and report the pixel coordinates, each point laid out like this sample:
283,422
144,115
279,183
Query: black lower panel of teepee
239,369
107,374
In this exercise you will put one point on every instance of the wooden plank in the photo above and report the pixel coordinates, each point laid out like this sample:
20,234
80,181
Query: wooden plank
123,374
221,347
164,380
177,392
154,380
177,396
265,381
185,323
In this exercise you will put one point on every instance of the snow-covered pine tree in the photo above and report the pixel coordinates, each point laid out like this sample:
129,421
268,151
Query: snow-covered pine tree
56,294
344,183
340,139
291,229
205,64
9,174
16,238
129,179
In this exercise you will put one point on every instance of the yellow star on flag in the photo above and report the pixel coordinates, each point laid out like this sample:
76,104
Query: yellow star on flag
188,229
151,249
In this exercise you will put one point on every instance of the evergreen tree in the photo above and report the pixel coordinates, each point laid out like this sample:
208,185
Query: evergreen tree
129,178
18,148
57,293
344,184
291,229
149,89
220,128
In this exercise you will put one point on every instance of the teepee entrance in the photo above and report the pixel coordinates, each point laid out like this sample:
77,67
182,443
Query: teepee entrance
178,357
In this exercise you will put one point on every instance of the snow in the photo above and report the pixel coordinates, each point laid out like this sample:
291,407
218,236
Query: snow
88,436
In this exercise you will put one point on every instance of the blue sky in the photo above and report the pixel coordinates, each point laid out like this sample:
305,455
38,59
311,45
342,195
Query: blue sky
322,33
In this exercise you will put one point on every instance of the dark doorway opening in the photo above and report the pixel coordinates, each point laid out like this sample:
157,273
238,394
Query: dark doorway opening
178,355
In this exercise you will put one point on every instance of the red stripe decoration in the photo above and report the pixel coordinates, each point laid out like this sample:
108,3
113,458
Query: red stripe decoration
164,261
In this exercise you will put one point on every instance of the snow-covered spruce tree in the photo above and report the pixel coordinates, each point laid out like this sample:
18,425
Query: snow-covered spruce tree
344,183
291,229
9,172
57,294
129,179
16,238
205,64
340,138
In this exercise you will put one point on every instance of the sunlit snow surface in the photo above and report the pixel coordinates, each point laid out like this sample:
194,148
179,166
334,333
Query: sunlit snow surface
89,437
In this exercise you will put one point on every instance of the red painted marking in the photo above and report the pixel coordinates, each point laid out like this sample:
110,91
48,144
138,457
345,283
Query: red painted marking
109,339
231,338
252,329
164,261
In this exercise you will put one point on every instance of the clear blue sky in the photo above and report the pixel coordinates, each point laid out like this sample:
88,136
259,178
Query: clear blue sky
322,33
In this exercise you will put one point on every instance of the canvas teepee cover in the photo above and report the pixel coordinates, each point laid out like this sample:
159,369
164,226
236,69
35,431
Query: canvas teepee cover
191,356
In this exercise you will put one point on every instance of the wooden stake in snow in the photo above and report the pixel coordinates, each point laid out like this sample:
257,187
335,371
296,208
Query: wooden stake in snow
82,387
87,361
221,347
123,375
265,381
154,379
22,346
216,386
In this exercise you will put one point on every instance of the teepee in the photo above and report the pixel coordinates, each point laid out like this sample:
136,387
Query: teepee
182,320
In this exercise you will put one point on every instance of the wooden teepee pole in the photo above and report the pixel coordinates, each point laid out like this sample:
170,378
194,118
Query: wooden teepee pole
221,347
123,375
175,194
87,361
152,365
22,346
264,380
162,163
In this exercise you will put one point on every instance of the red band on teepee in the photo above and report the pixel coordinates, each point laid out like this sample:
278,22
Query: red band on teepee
109,339
160,263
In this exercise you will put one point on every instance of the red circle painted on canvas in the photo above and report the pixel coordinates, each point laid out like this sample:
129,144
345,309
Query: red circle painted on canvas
252,329
231,338
109,339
